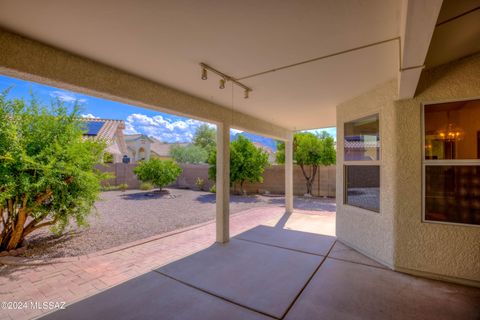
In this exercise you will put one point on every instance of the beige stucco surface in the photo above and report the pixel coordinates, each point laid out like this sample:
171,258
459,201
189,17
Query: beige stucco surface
449,250
370,232
397,236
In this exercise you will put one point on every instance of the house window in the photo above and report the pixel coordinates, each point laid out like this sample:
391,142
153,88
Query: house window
451,162
362,163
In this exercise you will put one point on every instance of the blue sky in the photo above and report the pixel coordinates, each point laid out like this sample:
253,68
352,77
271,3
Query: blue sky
162,126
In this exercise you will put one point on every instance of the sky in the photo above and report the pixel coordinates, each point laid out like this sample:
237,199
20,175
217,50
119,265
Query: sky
162,126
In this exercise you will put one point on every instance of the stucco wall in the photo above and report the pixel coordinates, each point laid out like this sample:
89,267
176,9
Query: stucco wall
449,250
397,236
369,232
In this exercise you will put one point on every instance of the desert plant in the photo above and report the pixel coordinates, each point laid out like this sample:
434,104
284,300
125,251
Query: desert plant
123,187
200,183
158,172
146,186
47,175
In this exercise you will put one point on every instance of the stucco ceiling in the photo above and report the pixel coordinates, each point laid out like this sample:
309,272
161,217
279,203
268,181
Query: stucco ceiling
164,41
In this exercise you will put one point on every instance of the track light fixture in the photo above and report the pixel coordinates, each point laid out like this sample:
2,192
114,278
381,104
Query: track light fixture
224,78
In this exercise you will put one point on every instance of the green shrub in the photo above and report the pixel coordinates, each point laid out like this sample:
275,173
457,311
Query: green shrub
213,189
107,157
47,169
158,172
146,186
200,183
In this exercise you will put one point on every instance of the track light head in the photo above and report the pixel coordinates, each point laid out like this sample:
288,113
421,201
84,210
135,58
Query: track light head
246,94
222,84
204,74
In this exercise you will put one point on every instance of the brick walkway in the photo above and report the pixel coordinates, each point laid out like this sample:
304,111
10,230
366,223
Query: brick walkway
77,279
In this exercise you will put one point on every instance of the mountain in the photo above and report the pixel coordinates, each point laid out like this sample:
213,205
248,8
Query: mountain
268,142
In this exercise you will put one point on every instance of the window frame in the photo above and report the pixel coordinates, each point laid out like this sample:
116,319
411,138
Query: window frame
377,162
431,162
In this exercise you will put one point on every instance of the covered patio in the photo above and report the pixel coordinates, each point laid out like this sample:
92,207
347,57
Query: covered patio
272,273
366,67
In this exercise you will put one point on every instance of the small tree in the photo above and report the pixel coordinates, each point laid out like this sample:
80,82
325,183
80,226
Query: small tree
158,172
205,137
189,154
247,162
47,175
309,150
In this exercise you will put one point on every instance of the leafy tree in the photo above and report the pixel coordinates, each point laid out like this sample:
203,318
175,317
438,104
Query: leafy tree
247,162
310,150
205,137
158,172
189,154
47,175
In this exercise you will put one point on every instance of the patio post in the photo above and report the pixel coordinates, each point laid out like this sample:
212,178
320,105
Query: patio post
223,182
289,173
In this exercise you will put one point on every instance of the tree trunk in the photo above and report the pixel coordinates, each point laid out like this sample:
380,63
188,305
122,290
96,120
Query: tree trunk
17,233
309,178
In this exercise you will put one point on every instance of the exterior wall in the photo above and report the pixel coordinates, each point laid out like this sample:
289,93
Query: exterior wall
441,249
370,232
123,173
274,179
397,236
274,182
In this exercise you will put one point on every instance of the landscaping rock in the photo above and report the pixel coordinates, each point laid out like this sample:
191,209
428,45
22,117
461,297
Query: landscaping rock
21,250
3,253
12,253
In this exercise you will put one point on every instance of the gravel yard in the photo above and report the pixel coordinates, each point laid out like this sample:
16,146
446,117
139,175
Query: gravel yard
123,217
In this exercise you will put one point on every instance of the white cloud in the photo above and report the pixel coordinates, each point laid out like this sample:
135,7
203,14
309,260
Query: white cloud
66,96
89,116
162,128
235,131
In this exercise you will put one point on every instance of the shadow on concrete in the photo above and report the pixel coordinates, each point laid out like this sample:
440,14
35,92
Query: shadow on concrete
210,198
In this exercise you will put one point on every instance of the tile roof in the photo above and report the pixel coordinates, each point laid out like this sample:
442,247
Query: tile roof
108,129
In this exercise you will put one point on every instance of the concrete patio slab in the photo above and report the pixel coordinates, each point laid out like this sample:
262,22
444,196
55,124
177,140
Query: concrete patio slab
154,296
342,252
257,276
289,239
345,290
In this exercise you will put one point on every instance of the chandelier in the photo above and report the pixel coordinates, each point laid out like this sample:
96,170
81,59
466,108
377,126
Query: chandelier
451,133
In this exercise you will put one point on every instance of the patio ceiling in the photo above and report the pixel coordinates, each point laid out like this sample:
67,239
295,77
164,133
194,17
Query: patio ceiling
164,41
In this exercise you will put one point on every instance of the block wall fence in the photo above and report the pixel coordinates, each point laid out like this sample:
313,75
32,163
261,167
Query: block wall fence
273,179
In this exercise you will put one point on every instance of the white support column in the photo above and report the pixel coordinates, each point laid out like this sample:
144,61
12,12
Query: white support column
289,173
223,183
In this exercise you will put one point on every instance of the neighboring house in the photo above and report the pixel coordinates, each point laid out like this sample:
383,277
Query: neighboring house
138,147
162,149
142,147
110,131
